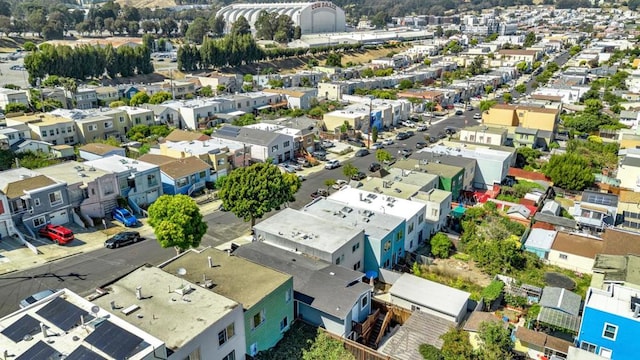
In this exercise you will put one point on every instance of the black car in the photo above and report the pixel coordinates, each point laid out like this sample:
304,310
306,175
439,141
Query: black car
362,152
432,139
359,176
450,130
459,112
374,166
356,142
402,136
121,239
420,144
442,135
406,152
410,133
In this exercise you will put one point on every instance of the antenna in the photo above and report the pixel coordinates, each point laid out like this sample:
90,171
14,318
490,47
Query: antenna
94,310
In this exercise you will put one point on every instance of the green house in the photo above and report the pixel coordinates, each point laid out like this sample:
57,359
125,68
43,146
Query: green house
266,295
451,177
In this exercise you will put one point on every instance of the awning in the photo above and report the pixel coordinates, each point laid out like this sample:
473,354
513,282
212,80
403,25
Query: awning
264,107
458,212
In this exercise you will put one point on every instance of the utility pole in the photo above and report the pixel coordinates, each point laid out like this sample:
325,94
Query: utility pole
370,121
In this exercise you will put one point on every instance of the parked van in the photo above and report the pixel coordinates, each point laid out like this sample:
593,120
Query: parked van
57,233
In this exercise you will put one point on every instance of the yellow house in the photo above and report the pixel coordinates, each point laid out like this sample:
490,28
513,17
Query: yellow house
522,116
472,326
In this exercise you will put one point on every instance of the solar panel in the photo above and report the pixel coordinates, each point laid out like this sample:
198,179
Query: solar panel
82,353
63,314
231,131
19,329
40,351
115,341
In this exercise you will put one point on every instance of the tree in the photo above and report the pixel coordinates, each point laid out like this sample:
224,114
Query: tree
241,27
244,120
441,245
574,50
405,84
507,98
427,62
139,98
6,159
250,192
569,171
485,105
139,132
430,352
334,59
168,26
374,134
177,222
383,155
217,24
15,107
329,183
266,25
297,32
158,98
456,345
521,88
349,170
492,292
488,89
529,39
496,341
197,30
324,347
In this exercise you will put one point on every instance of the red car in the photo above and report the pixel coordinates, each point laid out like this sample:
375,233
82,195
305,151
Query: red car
57,233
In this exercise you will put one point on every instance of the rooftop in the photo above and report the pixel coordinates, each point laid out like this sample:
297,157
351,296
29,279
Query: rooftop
162,309
433,195
246,135
179,168
63,314
197,147
241,280
430,294
620,242
119,164
577,244
13,187
329,288
486,129
561,299
540,239
390,186
375,202
99,149
616,301
300,227
182,135
476,319
72,172
478,153
618,268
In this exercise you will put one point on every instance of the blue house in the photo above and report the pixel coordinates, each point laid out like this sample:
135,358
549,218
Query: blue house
384,233
539,242
611,322
180,176
130,91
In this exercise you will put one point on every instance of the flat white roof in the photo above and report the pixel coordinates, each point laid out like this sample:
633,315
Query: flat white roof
430,294
72,172
9,176
616,302
386,204
203,147
119,164
471,152
541,238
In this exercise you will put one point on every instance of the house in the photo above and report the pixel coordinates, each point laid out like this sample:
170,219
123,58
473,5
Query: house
522,116
95,127
420,328
483,134
620,242
138,181
616,269
628,206
6,223
65,325
264,144
200,113
34,146
266,295
222,156
168,301
34,199
45,127
519,212
178,135
106,95
297,98
94,191
139,115
551,222
538,345
383,246
95,151
303,139
11,96
10,136
539,242
438,204
325,294
83,98
413,212
560,307
335,243
525,137
415,293
65,152
181,176
474,323
164,114
516,55
455,173
595,210
574,251
610,322
551,207
628,172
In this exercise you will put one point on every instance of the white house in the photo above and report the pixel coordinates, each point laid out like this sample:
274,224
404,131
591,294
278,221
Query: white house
575,252
10,96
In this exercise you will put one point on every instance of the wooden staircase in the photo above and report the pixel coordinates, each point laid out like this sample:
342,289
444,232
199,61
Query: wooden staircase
375,332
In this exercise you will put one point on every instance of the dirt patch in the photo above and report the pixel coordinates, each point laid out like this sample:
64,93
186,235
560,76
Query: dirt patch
466,270
151,4
559,280
112,230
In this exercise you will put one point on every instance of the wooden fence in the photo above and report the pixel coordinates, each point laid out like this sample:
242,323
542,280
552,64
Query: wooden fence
359,351
398,315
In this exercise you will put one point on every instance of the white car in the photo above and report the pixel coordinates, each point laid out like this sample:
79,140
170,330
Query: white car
408,123
376,146
332,164
387,142
477,116
339,184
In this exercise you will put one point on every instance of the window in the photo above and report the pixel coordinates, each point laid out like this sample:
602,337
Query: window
287,296
274,148
55,198
563,256
284,324
420,219
137,121
258,319
151,180
69,129
226,334
230,356
410,229
203,174
588,347
36,202
108,124
365,302
356,266
195,355
605,353
399,235
355,247
286,144
338,261
51,133
434,212
108,189
43,133
387,246
92,127
609,331
121,119
38,221
182,181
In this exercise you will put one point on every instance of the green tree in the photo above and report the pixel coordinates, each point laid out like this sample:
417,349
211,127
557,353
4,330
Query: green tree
488,89
15,107
574,50
266,25
139,98
430,352
569,171
177,222
485,105
522,66
117,103
495,342
349,170
521,88
250,192
530,39
507,98
329,183
6,159
241,27
441,245
324,347
492,292
383,155
197,30
245,119
139,132
374,134
405,84
160,97
217,24
427,62
334,59
456,345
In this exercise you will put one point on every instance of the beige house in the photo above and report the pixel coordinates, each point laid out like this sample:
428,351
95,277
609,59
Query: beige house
629,173
330,90
628,206
516,55
506,115
483,134
55,130
106,94
574,252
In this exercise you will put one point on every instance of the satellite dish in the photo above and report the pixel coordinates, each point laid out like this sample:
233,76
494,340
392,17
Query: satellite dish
95,309
181,271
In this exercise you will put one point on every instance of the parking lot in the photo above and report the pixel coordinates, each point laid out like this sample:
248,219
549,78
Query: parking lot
12,73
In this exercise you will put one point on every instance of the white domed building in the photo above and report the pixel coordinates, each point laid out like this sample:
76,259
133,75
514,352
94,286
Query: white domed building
312,17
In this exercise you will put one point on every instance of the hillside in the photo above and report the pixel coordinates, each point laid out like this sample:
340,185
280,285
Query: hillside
151,4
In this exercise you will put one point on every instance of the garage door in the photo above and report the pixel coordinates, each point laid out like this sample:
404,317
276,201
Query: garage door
3,229
59,217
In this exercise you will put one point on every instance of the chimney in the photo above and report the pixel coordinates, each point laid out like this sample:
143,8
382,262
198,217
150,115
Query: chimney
113,305
139,292
636,311
82,320
210,261
43,328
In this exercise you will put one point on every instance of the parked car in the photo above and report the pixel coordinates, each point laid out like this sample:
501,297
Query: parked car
287,168
450,130
387,142
303,162
332,164
421,144
320,192
477,116
459,112
320,155
374,166
390,161
295,166
362,152
57,233
327,144
36,297
469,108
339,184
124,216
422,128
356,142
406,152
377,146
402,136
122,239
408,123
359,176
410,133
433,139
